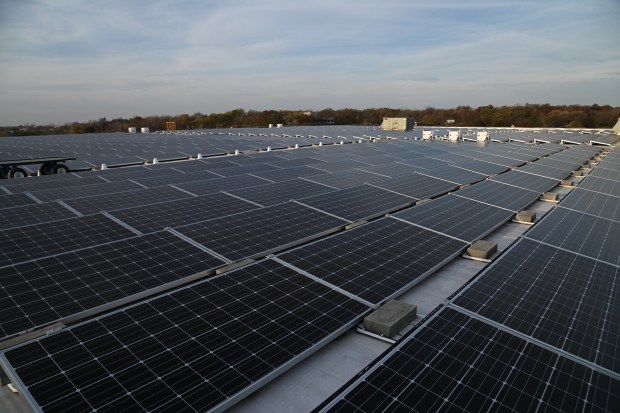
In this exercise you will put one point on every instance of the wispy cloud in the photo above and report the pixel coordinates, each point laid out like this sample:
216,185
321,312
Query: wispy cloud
64,60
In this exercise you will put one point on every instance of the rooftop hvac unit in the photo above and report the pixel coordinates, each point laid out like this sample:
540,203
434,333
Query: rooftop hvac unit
132,130
280,125
454,135
482,136
427,135
144,130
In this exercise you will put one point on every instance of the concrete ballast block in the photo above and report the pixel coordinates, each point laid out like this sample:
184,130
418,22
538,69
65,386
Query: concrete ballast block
566,182
526,216
551,196
482,249
577,173
389,319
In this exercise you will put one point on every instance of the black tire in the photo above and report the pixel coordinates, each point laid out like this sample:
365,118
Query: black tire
4,171
46,169
18,173
60,169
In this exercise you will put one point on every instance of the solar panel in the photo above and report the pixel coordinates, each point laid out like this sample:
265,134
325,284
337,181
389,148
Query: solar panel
546,171
486,168
50,289
391,169
555,296
289,173
579,232
417,186
85,191
50,238
150,218
33,214
16,200
525,180
49,184
346,179
593,203
153,181
609,174
458,363
454,174
126,199
457,217
603,186
357,203
245,169
262,231
500,195
199,348
212,186
377,260
279,192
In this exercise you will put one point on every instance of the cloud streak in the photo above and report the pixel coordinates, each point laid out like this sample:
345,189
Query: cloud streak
69,60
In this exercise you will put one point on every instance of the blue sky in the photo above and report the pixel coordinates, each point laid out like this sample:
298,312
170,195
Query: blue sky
69,60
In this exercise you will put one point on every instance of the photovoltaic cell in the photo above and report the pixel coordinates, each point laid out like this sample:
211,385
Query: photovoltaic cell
40,240
357,203
151,218
193,349
261,231
565,300
458,363
375,260
593,203
457,217
500,195
575,231
40,292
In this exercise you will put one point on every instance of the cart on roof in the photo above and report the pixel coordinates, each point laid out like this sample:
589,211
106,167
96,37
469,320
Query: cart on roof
14,168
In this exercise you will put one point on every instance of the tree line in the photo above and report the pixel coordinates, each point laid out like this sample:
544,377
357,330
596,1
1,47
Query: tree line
520,116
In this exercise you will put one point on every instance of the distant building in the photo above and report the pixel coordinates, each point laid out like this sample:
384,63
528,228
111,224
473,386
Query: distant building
450,121
398,124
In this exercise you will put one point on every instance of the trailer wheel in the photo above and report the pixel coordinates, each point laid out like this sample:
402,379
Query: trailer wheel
60,169
18,173
46,169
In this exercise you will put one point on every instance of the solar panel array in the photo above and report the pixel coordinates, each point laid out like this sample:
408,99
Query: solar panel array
536,330
125,259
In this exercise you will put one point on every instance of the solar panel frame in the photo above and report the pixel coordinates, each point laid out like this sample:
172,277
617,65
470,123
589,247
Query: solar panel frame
85,191
454,174
16,200
213,186
346,179
207,342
